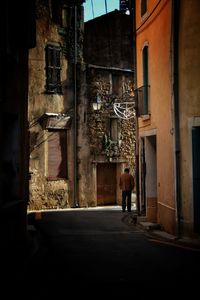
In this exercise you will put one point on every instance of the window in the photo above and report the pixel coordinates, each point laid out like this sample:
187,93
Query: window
143,7
53,69
145,79
57,154
114,129
56,11
116,84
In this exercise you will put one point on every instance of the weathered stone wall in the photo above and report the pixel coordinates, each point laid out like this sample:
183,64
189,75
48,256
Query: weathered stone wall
43,193
99,82
95,144
92,134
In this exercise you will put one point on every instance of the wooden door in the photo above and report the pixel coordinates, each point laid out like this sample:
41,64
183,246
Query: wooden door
106,184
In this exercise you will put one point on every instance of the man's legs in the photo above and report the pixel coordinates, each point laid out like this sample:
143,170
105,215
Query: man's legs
123,200
129,201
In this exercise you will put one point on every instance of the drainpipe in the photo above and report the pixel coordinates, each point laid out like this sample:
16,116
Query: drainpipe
175,84
133,19
75,196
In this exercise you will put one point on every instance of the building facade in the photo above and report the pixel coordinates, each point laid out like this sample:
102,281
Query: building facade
154,109
188,113
108,142
77,154
168,113
54,68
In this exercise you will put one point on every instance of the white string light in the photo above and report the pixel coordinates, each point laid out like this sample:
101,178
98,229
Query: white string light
125,110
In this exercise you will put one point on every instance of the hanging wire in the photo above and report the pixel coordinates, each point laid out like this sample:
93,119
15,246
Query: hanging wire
92,8
106,6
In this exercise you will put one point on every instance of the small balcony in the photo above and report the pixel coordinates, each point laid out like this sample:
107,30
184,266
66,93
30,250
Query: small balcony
142,100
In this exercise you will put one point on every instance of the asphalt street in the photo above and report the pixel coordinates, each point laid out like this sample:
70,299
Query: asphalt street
97,252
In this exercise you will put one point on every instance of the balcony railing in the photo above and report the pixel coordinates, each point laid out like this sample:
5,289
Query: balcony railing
142,100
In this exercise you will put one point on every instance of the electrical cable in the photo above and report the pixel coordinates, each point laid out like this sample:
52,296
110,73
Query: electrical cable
92,8
148,16
106,6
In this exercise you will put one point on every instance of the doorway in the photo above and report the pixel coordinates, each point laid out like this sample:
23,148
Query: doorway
196,177
151,178
106,184
148,177
142,177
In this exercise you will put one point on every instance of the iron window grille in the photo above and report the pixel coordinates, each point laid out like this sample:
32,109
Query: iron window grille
142,100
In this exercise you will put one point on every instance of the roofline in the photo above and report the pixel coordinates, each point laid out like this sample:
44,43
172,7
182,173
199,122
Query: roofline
107,15
109,68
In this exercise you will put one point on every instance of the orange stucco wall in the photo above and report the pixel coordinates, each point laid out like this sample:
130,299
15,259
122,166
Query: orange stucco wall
154,30
189,100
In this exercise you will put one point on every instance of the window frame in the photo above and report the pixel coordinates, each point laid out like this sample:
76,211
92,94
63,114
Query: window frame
53,69
145,67
114,126
143,7
116,84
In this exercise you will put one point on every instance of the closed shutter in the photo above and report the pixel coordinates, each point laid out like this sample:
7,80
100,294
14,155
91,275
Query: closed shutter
57,154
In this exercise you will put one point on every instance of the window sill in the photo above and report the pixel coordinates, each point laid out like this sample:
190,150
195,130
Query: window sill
146,117
55,178
53,93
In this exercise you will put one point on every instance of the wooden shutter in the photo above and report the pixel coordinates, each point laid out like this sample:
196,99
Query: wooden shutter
57,154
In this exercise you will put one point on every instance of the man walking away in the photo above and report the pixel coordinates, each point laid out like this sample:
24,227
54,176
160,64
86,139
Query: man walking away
126,184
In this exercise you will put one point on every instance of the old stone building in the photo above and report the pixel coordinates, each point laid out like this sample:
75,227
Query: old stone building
106,140
77,154
52,113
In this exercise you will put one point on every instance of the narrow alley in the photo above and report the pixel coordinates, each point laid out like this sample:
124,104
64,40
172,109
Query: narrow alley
84,98
97,251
